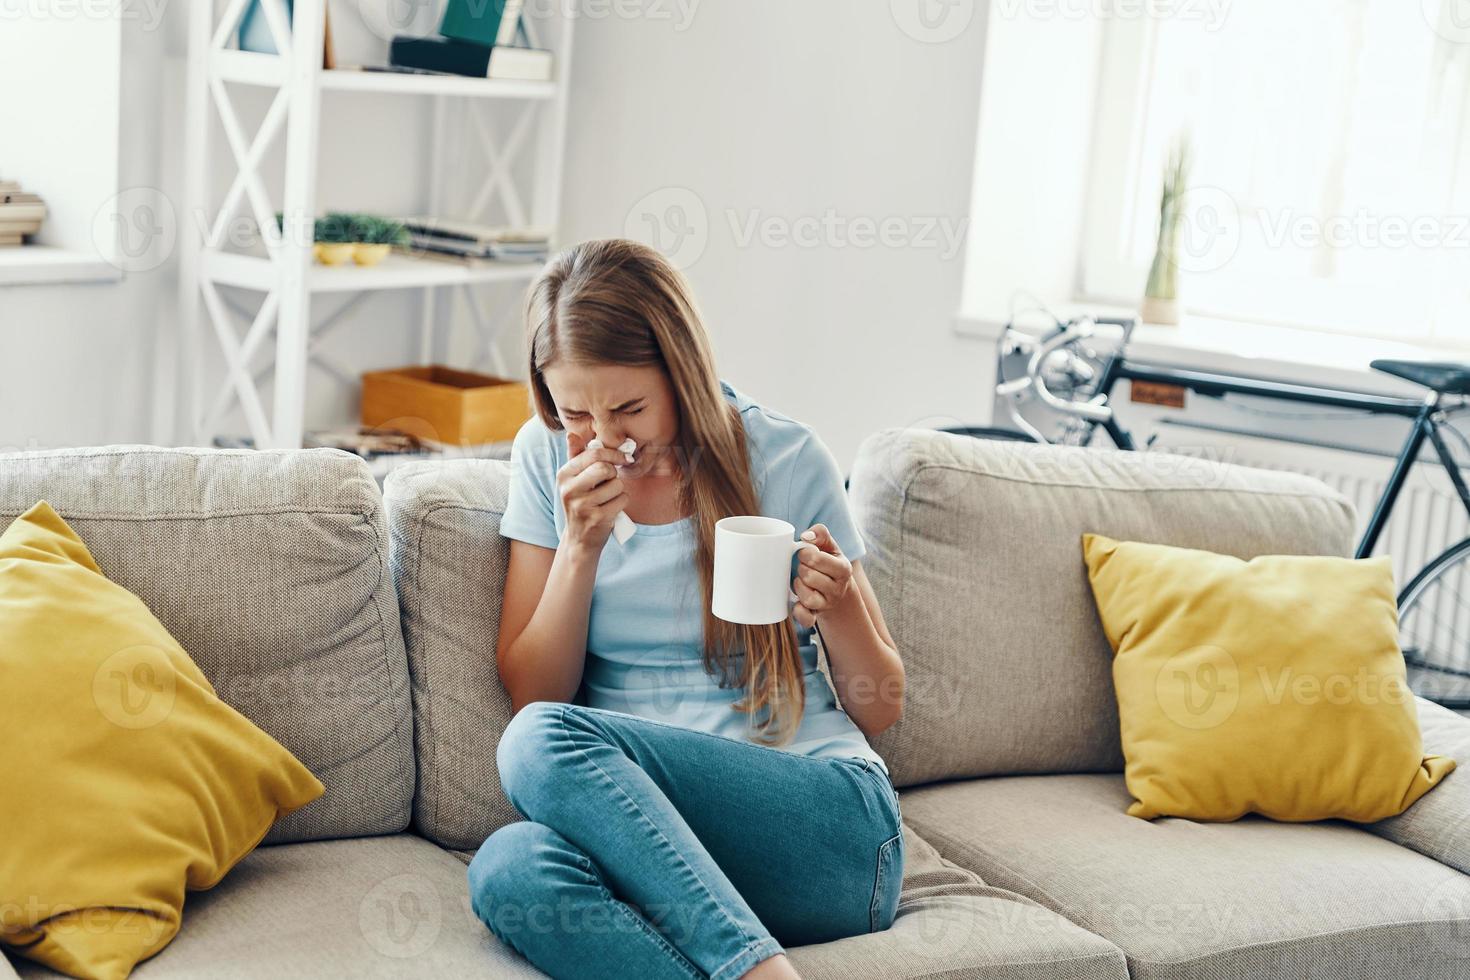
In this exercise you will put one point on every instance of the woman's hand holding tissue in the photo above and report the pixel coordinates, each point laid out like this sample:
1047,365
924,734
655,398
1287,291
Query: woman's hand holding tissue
592,492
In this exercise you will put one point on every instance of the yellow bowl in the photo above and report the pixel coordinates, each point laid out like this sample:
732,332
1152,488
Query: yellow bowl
364,253
333,253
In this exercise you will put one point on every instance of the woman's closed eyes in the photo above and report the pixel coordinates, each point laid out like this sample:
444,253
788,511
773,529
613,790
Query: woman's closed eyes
571,417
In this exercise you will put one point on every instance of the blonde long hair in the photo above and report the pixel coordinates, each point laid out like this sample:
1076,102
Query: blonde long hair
616,301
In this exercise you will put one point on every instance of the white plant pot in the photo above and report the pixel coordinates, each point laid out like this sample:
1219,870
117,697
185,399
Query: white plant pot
1164,312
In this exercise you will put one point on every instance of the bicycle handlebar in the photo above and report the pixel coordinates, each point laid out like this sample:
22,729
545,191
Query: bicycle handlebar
1095,409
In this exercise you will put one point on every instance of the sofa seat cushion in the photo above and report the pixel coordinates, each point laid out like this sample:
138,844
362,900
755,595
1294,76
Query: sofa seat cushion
1436,825
951,924
1205,901
393,906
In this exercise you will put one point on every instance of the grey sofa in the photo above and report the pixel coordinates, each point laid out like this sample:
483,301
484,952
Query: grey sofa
359,629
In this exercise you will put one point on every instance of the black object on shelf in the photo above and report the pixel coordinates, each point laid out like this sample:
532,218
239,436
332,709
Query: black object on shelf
443,54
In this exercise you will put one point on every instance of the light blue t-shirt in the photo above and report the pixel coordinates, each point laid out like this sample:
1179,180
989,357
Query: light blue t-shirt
645,631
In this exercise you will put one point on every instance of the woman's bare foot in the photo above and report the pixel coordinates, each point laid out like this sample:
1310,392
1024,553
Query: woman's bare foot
778,967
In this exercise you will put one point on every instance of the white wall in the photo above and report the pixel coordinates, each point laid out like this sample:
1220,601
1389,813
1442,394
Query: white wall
75,164
785,114
91,351
78,359
778,111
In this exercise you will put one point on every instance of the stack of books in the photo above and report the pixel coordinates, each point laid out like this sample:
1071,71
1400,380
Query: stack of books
478,38
20,213
468,242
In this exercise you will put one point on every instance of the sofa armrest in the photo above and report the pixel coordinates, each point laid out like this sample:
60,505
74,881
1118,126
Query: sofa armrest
1438,825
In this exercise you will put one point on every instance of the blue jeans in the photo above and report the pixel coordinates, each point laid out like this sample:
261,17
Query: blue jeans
657,851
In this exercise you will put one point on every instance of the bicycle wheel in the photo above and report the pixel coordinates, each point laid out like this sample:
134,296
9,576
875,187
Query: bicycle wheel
1434,628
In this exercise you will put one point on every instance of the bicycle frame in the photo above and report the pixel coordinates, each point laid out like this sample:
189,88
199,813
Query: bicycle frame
1427,415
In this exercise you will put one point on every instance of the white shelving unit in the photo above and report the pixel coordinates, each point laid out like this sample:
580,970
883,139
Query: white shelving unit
286,276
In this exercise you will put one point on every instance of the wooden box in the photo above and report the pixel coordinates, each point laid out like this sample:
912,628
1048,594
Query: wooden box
443,405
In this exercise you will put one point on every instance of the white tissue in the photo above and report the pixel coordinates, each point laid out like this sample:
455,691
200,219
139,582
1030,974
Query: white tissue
623,527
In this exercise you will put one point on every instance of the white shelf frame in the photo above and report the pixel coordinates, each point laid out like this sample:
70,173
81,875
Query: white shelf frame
286,276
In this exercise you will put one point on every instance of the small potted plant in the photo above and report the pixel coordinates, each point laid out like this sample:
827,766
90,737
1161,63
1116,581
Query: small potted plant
1161,294
332,240
374,237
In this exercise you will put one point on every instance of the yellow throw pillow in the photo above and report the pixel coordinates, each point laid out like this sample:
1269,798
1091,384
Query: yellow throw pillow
1271,686
126,779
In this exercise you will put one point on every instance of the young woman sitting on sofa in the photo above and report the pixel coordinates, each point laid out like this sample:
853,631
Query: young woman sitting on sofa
706,803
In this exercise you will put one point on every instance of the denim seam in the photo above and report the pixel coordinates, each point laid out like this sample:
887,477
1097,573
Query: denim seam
756,951
638,920
885,852
561,717
726,739
722,738
890,797
885,789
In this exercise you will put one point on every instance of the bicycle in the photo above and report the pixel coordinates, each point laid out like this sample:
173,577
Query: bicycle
1434,618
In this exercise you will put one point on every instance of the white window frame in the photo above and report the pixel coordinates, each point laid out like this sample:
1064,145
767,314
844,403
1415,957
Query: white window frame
1122,190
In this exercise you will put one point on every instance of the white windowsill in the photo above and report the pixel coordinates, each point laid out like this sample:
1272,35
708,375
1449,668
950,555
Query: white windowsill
48,264
1258,350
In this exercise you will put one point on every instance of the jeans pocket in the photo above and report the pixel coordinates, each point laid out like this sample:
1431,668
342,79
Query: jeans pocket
887,884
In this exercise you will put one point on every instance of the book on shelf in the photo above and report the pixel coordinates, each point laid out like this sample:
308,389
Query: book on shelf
451,56
21,213
481,250
474,259
520,64
474,231
483,22
472,242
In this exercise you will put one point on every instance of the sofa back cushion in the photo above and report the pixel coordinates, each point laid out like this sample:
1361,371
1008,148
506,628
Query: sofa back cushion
975,554
270,569
449,562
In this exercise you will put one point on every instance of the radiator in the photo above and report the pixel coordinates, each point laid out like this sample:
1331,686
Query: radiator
1427,518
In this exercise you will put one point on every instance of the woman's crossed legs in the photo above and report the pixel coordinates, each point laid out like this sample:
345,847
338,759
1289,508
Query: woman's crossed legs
657,851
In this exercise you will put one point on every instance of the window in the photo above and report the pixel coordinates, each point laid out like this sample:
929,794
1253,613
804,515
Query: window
1330,185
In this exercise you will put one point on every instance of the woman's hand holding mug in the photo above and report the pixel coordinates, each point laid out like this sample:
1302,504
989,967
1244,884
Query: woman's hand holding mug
823,576
592,493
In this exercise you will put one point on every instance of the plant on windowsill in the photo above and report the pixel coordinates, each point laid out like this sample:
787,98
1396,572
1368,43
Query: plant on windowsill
1161,294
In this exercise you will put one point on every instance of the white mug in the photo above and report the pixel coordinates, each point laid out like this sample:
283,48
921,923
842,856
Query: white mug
753,569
